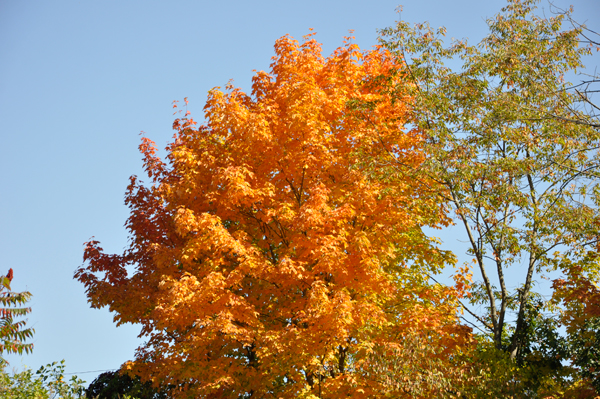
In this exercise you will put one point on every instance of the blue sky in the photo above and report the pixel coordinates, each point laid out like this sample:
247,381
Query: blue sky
80,79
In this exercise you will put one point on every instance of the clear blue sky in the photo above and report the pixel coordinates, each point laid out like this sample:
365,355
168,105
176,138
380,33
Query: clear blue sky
80,79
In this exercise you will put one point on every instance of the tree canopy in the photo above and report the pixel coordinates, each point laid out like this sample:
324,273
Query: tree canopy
516,153
279,249
264,258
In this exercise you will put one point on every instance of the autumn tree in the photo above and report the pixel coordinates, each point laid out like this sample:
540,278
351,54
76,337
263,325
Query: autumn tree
263,259
585,89
579,294
517,159
13,334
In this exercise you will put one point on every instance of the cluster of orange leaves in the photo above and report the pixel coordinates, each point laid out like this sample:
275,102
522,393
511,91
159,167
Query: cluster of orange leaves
267,259
580,296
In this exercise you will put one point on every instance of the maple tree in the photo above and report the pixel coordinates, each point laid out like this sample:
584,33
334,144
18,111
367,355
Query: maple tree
518,160
579,294
265,261
13,333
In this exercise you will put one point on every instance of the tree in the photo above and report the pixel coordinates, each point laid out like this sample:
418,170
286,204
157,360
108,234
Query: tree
588,86
266,261
517,158
115,385
579,294
47,383
13,334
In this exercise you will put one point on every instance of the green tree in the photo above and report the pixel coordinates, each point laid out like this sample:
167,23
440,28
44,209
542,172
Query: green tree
13,333
46,383
579,295
115,385
515,157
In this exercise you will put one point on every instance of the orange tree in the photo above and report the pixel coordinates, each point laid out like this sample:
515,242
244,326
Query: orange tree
266,261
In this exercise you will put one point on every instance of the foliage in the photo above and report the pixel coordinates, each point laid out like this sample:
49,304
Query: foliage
517,156
585,349
507,142
12,333
266,261
418,368
580,297
279,250
47,383
115,385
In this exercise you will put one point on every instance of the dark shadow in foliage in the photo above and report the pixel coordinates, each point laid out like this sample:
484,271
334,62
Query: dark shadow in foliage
543,349
584,349
114,385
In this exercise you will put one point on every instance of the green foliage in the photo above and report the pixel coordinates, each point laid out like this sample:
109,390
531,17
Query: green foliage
493,374
46,383
584,347
515,155
509,148
543,351
542,342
